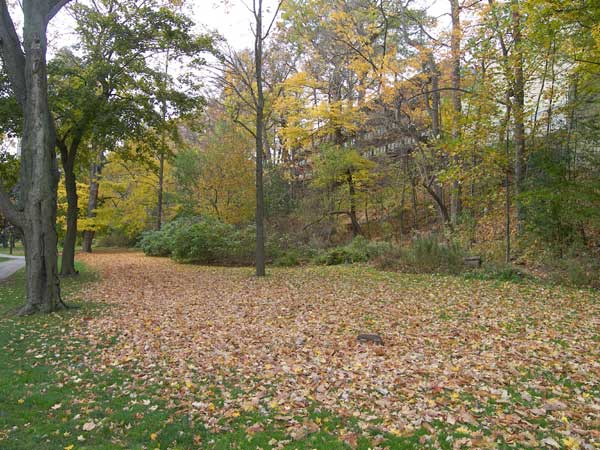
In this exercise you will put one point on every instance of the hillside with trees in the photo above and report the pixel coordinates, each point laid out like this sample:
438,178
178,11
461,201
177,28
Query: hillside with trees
344,224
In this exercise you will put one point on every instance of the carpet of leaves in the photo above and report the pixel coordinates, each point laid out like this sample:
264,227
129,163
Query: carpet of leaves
517,364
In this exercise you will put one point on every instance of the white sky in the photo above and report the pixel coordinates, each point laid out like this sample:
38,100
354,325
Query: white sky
230,18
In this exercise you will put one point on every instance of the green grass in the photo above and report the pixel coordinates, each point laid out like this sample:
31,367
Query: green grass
4,259
17,251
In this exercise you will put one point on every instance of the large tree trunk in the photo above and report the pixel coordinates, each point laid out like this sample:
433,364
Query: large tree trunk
95,171
260,104
68,254
39,171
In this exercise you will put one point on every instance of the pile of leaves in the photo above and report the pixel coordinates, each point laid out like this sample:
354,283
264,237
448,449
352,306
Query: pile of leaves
465,362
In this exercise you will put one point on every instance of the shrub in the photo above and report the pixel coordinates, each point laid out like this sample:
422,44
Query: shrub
358,250
581,271
288,258
116,238
428,254
160,242
503,272
203,242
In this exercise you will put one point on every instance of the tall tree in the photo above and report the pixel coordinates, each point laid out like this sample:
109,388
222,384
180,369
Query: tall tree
34,213
100,97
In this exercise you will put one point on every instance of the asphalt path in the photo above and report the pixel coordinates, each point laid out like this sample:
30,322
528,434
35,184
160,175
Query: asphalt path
7,268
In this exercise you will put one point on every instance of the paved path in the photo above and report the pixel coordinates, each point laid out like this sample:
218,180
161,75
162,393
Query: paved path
7,268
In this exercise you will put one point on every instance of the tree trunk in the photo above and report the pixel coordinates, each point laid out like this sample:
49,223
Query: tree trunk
456,102
95,171
519,106
356,230
260,104
39,171
68,254
161,180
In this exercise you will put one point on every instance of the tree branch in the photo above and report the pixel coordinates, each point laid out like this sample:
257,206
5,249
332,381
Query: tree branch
54,7
12,54
9,210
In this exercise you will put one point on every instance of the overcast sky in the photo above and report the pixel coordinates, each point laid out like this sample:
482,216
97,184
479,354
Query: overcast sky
231,18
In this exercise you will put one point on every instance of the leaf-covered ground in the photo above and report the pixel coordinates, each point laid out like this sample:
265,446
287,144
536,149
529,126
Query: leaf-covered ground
216,358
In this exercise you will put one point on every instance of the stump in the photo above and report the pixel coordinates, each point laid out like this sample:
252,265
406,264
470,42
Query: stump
473,261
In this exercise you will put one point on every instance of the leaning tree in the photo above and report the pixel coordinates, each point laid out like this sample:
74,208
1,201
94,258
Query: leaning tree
34,211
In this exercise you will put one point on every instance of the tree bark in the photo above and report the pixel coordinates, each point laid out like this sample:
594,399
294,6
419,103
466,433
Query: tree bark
455,205
356,229
161,182
260,104
95,171
35,212
519,114
68,163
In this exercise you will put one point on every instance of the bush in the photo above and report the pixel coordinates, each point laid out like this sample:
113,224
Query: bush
580,271
290,258
201,241
160,242
428,254
358,250
503,272
116,238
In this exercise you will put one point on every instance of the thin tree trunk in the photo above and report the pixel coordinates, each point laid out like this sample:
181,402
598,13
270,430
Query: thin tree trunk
163,145
161,181
260,104
356,230
95,171
519,114
414,204
68,254
456,102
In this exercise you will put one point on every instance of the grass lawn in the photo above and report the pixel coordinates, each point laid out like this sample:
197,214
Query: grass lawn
4,259
17,251
167,356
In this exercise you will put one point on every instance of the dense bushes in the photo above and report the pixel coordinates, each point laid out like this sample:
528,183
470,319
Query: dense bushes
358,250
202,241
209,241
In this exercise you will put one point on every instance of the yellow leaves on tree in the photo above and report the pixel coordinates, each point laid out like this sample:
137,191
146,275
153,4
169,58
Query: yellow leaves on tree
217,177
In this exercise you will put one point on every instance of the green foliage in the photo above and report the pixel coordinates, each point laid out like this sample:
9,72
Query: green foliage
426,254
499,272
160,242
578,271
289,258
560,206
335,163
116,238
9,170
201,241
430,254
359,250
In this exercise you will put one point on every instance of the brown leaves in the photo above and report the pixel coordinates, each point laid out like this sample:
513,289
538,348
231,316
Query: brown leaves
453,349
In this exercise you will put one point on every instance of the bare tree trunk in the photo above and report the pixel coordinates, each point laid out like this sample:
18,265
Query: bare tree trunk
456,102
356,230
161,181
519,106
95,171
260,105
